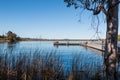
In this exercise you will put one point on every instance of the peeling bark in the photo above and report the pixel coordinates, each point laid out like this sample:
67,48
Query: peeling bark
111,43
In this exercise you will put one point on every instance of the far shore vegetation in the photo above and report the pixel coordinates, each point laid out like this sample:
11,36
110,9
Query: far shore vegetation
11,37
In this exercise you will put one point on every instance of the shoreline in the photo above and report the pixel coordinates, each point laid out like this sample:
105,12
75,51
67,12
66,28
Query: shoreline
3,41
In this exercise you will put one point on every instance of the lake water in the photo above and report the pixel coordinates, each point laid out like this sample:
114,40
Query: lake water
88,58
72,57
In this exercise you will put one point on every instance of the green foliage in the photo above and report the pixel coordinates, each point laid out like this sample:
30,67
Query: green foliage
12,37
119,37
2,36
91,5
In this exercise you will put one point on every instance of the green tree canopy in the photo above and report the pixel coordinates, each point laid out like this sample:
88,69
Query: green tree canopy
12,37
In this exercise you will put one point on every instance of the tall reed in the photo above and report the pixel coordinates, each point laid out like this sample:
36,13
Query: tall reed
41,65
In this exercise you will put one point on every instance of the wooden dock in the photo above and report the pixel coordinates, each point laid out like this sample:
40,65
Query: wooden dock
66,44
89,45
99,47
94,46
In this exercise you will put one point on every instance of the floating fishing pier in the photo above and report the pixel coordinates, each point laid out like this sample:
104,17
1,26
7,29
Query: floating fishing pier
94,44
99,47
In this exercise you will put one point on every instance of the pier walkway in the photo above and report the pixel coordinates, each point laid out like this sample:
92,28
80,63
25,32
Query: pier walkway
99,46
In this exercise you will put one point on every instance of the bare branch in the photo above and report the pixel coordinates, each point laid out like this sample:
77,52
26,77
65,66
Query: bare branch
115,4
104,10
89,9
100,8
95,12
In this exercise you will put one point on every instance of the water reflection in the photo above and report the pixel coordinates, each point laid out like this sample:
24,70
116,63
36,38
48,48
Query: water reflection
11,47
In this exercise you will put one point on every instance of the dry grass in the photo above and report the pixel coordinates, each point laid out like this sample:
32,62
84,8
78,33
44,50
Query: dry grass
41,66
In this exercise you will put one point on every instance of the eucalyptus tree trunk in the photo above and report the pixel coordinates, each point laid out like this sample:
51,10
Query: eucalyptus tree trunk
111,41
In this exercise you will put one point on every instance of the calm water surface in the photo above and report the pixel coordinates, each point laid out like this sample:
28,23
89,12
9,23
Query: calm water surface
87,58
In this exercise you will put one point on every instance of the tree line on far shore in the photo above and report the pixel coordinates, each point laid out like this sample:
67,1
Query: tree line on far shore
13,37
10,37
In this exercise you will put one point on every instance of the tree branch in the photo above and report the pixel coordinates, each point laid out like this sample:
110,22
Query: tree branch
95,12
115,4
104,10
90,9
100,8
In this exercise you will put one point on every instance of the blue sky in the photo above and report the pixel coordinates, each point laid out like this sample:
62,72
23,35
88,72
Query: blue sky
46,19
